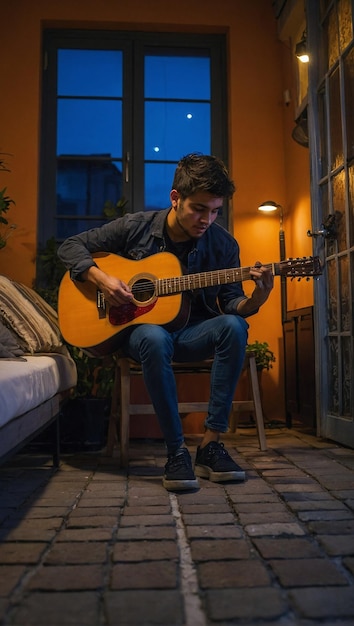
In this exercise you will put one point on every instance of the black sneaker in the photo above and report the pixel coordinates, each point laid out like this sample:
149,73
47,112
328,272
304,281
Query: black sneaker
215,463
179,473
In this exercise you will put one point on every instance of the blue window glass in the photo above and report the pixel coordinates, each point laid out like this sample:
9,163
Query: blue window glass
90,73
89,137
84,186
69,227
89,127
173,129
168,76
158,184
174,126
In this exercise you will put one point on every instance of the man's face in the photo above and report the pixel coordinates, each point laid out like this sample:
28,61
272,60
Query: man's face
195,214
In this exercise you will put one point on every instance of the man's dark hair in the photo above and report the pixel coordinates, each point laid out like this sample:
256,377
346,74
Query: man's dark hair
201,172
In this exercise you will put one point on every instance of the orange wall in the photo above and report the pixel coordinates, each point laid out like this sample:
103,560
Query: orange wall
264,161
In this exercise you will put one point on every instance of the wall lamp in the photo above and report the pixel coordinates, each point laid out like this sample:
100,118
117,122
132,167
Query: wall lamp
268,207
301,50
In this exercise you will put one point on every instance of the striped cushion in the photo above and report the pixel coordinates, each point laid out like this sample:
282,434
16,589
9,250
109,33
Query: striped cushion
29,316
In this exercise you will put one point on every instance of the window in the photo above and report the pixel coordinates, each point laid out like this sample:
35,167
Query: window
119,111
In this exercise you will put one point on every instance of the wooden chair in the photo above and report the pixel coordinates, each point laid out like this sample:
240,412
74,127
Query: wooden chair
122,407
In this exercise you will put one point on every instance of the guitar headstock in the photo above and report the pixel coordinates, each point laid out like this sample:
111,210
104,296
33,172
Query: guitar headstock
301,267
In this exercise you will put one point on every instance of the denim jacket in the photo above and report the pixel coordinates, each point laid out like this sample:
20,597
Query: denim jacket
139,235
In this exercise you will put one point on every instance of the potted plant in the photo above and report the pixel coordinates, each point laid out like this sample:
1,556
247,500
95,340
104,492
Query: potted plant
85,417
263,354
5,203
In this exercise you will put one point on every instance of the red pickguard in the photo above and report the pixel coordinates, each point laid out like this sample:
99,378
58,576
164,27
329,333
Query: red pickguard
126,313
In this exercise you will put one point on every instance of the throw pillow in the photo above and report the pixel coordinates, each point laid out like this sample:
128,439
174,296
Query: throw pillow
29,316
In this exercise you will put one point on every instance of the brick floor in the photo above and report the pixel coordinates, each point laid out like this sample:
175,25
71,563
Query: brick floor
93,545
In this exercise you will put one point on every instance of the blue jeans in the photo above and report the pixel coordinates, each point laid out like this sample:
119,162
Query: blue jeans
223,338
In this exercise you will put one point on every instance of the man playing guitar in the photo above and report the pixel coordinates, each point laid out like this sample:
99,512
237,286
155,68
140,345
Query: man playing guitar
215,325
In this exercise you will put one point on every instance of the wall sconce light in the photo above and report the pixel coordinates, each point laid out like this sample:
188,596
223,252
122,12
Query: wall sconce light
301,50
269,206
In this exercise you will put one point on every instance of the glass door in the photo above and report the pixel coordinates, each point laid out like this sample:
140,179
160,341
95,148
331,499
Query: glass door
330,30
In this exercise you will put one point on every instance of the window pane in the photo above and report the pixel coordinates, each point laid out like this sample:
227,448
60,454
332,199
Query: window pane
345,23
332,296
70,227
158,184
333,380
173,129
331,27
166,75
339,209
323,131
347,369
90,73
344,296
349,98
83,187
335,120
89,127
338,186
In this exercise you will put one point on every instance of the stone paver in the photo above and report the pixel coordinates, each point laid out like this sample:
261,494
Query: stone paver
307,572
76,552
94,545
145,575
57,608
67,577
136,551
144,607
230,574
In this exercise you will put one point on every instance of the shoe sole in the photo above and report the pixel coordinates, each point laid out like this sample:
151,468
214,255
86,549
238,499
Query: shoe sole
203,471
180,485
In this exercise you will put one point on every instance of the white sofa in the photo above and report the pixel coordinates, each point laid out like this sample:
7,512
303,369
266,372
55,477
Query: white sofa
37,372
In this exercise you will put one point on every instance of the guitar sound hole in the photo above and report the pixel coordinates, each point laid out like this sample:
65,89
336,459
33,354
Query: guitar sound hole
143,290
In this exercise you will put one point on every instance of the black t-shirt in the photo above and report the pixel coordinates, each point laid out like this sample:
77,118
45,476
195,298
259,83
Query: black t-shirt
181,250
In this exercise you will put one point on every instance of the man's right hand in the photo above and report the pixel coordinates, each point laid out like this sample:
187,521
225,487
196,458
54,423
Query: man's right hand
115,291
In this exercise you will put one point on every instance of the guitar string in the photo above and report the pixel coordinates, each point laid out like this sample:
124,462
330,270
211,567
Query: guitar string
186,281
243,274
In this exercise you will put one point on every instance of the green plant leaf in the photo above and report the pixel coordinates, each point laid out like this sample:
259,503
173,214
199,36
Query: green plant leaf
263,355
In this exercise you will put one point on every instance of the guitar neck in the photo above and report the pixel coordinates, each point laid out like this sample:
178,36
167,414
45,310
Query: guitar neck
189,282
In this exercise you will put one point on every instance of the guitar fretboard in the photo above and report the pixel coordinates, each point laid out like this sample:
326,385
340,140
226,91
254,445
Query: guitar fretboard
188,282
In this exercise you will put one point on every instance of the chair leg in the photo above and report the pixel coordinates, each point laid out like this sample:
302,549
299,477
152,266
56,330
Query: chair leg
257,404
124,413
233,418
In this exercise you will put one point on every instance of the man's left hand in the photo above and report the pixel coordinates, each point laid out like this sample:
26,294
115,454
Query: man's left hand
262,276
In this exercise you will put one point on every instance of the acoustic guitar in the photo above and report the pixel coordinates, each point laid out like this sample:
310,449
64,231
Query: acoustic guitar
160,296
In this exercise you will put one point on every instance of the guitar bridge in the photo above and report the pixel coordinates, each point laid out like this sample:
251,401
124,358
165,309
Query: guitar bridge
101,304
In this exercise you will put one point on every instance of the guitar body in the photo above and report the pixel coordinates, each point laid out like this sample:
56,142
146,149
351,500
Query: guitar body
96,329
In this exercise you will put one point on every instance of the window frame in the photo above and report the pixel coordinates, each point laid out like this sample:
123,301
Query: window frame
134,45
